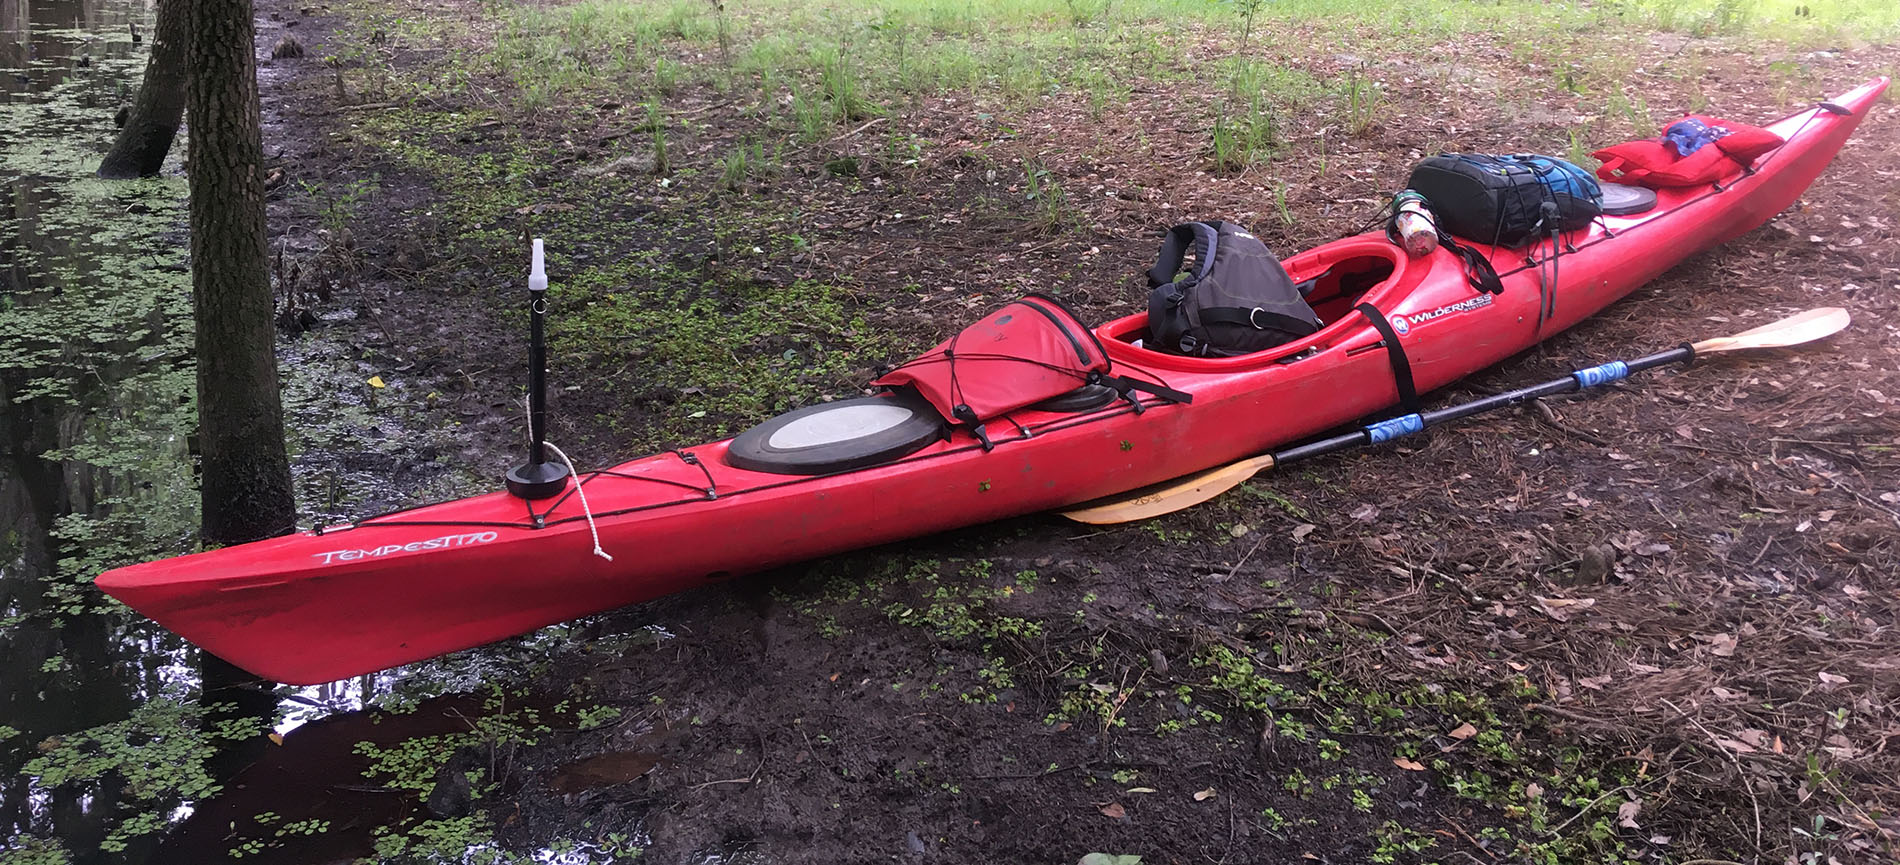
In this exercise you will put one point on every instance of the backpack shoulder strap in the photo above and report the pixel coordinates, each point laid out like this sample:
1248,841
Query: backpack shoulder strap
1199,236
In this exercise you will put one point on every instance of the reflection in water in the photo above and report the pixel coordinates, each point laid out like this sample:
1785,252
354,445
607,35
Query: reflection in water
86,369
43,43
316,798
105,742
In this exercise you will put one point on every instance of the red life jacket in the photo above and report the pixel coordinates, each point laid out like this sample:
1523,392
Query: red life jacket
1655,163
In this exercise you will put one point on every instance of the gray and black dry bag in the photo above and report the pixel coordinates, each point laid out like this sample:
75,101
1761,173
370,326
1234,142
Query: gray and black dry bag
1507,201
1237,300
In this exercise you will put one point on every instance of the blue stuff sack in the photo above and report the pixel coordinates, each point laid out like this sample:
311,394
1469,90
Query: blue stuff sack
1690,135
1507,200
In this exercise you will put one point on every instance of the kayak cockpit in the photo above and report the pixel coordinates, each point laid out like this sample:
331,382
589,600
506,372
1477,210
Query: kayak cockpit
1335,278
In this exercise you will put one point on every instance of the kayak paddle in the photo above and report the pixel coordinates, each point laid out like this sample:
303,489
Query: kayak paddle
1186,492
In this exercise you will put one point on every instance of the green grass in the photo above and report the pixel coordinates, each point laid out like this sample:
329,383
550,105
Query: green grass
1026,48
1044,192
735,351
816,69
813,71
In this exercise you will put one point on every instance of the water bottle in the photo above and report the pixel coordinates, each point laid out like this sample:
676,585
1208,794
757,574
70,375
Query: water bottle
1417,229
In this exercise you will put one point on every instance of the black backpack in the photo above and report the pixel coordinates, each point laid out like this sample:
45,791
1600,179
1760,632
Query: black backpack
1506,200
1237,301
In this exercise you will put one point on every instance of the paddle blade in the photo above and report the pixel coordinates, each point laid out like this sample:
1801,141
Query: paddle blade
1794,330
1175,495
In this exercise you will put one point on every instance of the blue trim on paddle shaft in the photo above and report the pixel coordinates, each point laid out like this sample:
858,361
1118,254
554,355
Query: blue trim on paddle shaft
1410,424
1615,370
1387,430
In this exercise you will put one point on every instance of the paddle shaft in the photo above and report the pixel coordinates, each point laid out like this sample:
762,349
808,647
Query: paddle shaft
1413,423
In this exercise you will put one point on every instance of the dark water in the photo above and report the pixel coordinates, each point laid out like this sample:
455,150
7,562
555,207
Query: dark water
84,357
107,754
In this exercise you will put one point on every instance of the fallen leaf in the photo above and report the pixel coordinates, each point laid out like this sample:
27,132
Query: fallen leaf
1365,513
1114,810
1639,667
1831,679
376,381
1464,731
1561,608
1239,530
1141,790
1735,745
1204,795
1626,814
277,738
1408,765
1109,859
1720,645
1533,790
1302,530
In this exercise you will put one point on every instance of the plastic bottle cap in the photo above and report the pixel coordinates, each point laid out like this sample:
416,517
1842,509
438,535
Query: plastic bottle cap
538,272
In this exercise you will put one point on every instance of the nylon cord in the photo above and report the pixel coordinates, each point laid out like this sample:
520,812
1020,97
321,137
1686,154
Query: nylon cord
581,489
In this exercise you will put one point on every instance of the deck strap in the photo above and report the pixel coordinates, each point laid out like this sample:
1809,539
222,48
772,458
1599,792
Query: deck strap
1394,352
1124,385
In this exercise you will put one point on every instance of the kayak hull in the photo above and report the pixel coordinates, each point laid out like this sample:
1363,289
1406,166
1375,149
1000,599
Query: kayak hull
327,604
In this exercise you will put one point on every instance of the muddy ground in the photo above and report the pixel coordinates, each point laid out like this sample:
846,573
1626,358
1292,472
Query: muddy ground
1656,624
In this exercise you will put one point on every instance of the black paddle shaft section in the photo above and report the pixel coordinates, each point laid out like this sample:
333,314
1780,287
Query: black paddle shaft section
1426,420
537,478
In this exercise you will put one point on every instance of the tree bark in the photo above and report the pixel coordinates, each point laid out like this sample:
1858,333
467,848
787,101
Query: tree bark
246,474
148,131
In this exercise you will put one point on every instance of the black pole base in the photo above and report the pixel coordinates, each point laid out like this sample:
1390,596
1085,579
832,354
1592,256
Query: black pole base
536,481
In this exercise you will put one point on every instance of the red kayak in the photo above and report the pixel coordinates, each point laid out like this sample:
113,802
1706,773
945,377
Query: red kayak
335,602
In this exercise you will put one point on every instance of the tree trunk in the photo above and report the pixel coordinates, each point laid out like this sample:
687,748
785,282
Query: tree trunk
147,134
246,475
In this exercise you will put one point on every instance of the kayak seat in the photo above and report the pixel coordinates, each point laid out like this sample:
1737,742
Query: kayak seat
1332,280
1335,291
1305,287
